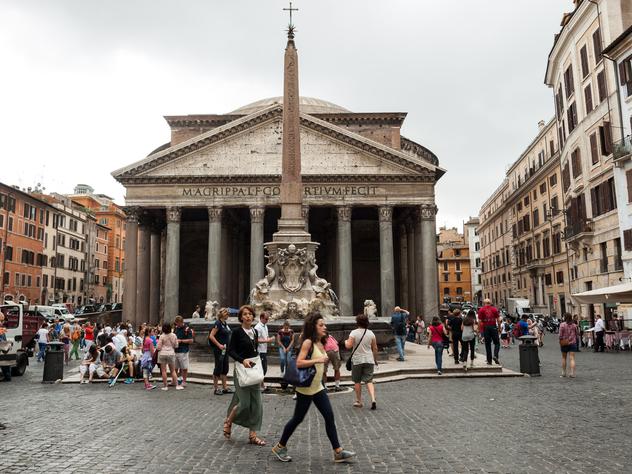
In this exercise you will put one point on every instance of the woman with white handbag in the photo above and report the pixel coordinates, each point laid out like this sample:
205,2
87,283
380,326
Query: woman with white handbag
245,408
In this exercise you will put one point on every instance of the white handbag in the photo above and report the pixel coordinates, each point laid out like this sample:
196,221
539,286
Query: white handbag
252,376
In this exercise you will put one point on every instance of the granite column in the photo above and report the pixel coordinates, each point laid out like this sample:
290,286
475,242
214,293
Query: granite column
143,273
154,279
387,265
130,266
428,214
345,261
213,278
403,267
256,244
172,264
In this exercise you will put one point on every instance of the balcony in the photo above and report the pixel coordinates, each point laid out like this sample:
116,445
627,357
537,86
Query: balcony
622,149
577,229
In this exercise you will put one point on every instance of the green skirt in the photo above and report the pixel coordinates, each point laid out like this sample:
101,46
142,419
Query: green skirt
249,406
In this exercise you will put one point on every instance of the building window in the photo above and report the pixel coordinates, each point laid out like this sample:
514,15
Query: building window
594,148
603,198
605,134
559,277
597,45
458,277
459,290
445,266
625,75
571,114
576,162
583,54
603,261
446,291
445,277
553,180
601,86
566,177
547,279
588,99
569,85
536,218
627,240
618,262
543,188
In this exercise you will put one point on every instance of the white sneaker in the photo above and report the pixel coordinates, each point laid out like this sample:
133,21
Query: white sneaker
179,387
164,389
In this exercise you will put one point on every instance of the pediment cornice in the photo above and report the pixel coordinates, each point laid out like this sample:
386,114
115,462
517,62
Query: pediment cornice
413,163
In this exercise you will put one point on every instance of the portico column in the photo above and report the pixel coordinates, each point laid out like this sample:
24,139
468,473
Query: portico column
130,273
410,255
305,214
387,264
256,244
213,283
403,267
430,270
419,268
143,272
172,264
154,279
345,261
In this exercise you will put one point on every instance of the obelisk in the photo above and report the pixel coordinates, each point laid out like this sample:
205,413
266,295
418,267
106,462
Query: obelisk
291,226
292,287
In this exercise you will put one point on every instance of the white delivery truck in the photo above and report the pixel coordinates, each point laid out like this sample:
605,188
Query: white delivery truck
516,307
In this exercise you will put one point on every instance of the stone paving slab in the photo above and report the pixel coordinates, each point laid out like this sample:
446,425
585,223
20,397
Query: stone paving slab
505,425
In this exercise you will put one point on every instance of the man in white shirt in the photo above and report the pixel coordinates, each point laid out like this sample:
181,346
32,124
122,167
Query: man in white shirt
600,332
263,338
120,340
42,341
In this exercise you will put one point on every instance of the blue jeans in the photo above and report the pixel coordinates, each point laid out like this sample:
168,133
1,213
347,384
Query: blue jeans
400,341
42,351
438,347
285,357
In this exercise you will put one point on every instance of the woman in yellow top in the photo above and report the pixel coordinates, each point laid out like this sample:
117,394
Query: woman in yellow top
312,354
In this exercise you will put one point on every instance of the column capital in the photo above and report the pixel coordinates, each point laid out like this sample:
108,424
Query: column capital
132,214
215,214
385,213
344,213
257,213
173,214
428,211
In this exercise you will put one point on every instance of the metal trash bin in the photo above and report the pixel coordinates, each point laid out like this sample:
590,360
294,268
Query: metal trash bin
529,358
53,362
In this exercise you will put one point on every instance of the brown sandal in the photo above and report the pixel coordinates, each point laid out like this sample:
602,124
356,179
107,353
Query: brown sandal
227,428
252,439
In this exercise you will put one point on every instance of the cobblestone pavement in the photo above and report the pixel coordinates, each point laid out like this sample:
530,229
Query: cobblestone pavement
538,424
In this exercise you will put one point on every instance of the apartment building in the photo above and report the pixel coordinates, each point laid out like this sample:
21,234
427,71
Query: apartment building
455,280
496,246
111,216
540,267
96,281
65,249
587,119
22,223
471,238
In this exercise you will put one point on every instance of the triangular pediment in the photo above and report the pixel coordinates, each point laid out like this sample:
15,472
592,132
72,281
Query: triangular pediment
252,146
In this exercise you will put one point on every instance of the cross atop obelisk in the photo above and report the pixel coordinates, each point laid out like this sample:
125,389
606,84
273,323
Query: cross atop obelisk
291,223
291,10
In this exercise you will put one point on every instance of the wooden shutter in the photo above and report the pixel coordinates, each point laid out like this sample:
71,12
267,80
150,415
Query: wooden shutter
597,45
584,58
594,152
623,74
601,86
627,239
594,201
607,137
628,177
588,99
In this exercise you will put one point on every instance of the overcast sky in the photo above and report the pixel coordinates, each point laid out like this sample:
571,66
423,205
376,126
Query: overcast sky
85,83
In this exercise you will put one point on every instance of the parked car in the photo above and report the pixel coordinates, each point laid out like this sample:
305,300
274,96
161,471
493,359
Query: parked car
86,309
104,307
51,312
117,306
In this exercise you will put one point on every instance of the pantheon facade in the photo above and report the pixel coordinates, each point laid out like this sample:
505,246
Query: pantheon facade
200,207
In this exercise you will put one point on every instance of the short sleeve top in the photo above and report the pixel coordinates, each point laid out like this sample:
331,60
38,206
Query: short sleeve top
363,354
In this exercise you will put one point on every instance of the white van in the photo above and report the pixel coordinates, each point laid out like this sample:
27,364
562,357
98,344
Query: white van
51,312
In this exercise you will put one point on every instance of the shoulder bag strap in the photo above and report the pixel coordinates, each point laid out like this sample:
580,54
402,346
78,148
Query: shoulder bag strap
357,345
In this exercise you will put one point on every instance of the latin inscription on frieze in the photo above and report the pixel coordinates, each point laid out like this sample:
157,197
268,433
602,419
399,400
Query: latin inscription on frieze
272,191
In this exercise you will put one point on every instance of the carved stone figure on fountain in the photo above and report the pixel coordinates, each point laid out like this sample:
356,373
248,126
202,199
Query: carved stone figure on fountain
211,310
370,309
